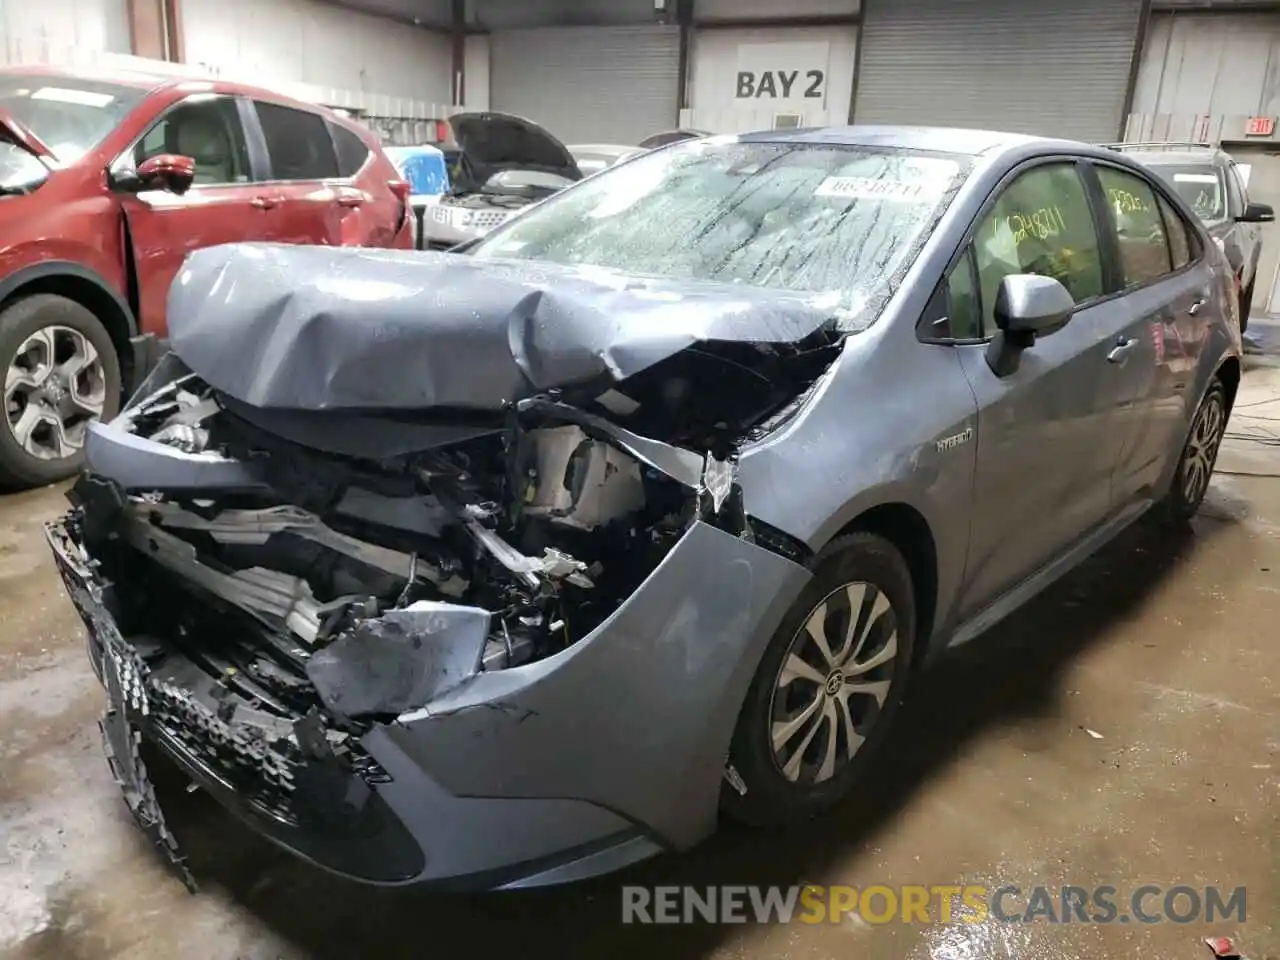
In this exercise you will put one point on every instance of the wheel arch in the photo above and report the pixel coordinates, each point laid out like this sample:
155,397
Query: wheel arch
1229,373
85,287
909,531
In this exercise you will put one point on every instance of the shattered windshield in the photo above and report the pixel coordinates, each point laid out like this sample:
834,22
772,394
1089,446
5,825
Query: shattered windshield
1200,185
817,218
71,116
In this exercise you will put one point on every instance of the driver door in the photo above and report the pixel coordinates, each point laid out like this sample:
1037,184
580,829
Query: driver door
1046,439
223,205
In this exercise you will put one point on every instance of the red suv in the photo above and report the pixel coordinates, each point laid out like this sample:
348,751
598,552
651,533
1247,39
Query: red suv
107,182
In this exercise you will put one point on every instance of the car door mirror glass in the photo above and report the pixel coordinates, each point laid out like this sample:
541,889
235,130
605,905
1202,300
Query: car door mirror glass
1257,213
165,171
1030,304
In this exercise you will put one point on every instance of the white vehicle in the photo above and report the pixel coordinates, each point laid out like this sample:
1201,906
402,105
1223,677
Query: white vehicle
506,163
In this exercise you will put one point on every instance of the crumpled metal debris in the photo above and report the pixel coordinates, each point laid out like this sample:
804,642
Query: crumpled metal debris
717,480
121,741
401,660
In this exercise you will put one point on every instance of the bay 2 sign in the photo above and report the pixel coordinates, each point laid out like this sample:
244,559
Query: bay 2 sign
783,73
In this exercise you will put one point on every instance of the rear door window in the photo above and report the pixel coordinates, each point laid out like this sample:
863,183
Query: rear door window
352,151
298,143
1139,226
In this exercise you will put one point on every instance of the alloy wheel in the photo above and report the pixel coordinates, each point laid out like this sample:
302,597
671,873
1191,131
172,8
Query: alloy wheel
833,683
1202,448
54,387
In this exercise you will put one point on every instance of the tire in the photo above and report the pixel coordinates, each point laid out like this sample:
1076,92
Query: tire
32,331
1198,457
1246,302
771,797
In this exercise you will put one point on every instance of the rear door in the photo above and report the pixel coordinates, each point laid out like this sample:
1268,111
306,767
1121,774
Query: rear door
306,198
1046,440
1169,295
372,215
224,205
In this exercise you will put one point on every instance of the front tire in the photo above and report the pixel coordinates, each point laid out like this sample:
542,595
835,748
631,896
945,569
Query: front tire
828,686
61,373
1199,456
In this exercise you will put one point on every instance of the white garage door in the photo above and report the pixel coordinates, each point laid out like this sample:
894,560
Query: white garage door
759,78
1059,68
588,84
1262,167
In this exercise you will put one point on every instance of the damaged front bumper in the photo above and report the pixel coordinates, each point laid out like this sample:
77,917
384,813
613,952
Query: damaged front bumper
465,771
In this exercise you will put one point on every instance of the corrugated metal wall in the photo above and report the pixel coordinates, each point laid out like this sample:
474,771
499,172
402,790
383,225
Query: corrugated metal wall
744,9
1203,74
282,42
1059,67
520,14
62,31
588,84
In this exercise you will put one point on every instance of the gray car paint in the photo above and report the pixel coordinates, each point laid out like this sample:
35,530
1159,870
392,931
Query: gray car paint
991,541
624,734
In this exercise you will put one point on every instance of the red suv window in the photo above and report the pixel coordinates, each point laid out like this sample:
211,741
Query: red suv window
352,151
298,143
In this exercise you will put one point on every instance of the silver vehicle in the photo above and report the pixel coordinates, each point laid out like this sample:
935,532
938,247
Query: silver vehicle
504,164
514,567
594,157
1209,180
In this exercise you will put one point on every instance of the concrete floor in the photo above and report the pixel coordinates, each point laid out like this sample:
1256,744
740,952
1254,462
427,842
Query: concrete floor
1166,646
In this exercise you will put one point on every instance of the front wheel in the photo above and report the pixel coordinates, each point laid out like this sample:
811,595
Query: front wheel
827,687
1199,456
61,373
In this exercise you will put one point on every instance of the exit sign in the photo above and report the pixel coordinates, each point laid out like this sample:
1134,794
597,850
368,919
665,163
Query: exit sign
1260,127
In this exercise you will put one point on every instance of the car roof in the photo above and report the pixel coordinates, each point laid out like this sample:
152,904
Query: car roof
153,82
140,79
940,139
1155,158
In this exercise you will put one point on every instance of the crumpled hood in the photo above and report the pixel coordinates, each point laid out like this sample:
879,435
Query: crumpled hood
321,328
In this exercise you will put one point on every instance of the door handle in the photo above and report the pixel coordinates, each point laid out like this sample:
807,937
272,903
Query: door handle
1120,352
348,200
264,203
1195,307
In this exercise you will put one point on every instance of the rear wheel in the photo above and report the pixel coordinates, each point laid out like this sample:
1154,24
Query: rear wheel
61,373
1199,456
827,687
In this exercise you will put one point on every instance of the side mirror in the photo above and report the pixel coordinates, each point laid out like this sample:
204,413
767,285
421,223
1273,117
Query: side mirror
1027,306
166,171
1257,213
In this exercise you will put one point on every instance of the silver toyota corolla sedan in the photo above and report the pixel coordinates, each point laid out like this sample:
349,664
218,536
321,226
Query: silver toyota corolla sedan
515,566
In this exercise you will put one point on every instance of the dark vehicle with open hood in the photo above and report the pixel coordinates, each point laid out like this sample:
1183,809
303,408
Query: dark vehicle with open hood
514,567
503,163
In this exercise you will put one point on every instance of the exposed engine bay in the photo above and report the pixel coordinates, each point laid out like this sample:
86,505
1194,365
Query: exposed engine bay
276,622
